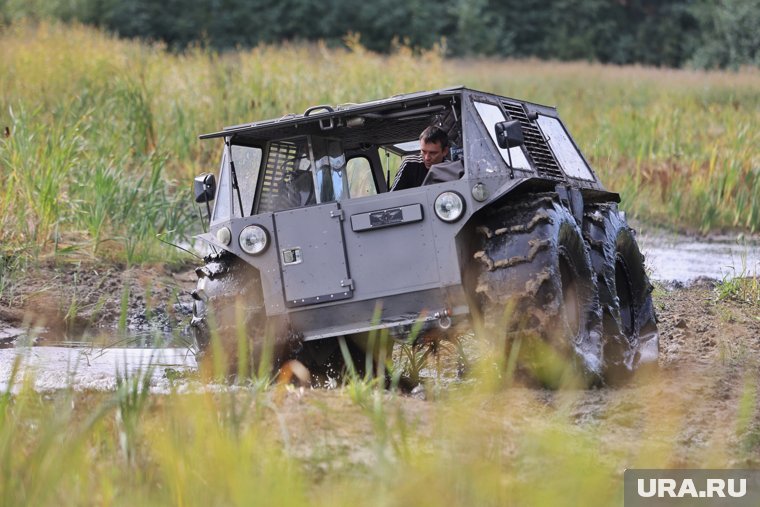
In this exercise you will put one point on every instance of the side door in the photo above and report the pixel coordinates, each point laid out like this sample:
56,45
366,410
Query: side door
312,255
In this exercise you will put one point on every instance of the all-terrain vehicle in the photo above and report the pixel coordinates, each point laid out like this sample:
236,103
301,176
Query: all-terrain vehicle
514,232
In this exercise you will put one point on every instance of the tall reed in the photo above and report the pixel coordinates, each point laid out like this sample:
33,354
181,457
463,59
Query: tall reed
101,143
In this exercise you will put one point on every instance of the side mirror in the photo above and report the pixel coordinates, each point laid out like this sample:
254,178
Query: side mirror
509,134
204,187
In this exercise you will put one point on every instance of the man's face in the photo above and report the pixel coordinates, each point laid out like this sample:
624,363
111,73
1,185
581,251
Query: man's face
432,153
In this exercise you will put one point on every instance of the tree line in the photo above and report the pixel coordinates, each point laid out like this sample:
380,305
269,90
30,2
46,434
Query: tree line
672,33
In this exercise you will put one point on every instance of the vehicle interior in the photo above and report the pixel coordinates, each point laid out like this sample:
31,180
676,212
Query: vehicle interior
329,159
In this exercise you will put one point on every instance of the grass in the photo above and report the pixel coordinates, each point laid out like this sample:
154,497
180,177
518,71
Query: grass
101,134
742,288
477,444
98,161
741,285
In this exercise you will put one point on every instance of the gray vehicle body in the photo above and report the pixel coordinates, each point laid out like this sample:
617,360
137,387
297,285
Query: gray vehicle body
345,264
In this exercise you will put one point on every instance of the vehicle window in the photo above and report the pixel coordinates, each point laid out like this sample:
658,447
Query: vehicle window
223,192
331,170
564,149
360,181
247,163
491,114
288,181
391,163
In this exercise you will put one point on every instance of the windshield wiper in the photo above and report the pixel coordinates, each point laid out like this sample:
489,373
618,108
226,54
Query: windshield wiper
234,176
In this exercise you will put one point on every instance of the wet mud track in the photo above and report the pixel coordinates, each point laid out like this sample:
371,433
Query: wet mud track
55,304
699,408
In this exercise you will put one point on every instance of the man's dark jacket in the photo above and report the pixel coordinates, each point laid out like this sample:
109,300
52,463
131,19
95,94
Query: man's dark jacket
411,173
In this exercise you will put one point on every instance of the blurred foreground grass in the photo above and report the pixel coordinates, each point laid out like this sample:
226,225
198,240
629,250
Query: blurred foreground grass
99,143
473,443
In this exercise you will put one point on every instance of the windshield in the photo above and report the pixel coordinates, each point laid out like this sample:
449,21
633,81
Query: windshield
247,160
290,173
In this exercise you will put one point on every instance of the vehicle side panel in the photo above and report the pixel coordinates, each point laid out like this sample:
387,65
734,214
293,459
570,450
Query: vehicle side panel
391,258
311,255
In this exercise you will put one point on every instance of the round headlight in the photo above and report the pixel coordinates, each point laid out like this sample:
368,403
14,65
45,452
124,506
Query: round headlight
223,236
449,206
253,239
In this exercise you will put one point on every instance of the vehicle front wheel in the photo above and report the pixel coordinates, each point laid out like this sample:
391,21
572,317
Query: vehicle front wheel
535,284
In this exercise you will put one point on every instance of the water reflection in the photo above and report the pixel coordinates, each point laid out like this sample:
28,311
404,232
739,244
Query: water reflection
95,363
683,259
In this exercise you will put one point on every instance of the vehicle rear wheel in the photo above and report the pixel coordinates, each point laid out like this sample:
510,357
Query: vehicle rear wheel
631,338
535,284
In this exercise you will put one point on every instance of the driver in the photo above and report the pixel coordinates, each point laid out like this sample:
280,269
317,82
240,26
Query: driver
434,148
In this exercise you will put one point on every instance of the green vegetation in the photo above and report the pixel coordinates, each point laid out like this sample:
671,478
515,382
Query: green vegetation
674,33
79,162
99,143
742,286
273,443
97,161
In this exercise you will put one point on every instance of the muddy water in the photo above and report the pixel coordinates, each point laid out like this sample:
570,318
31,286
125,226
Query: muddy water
672,257
59,362
92,368
95,363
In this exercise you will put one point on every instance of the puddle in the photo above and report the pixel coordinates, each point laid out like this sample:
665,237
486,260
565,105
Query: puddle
84,362
87,368
671,257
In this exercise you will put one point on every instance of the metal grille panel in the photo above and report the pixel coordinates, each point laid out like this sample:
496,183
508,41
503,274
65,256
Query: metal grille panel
535,143
281,156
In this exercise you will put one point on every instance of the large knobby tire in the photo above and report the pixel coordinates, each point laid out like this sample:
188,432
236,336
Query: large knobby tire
229,306
630,331
535,284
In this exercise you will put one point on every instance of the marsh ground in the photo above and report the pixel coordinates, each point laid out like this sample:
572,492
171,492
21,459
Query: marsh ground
699,408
